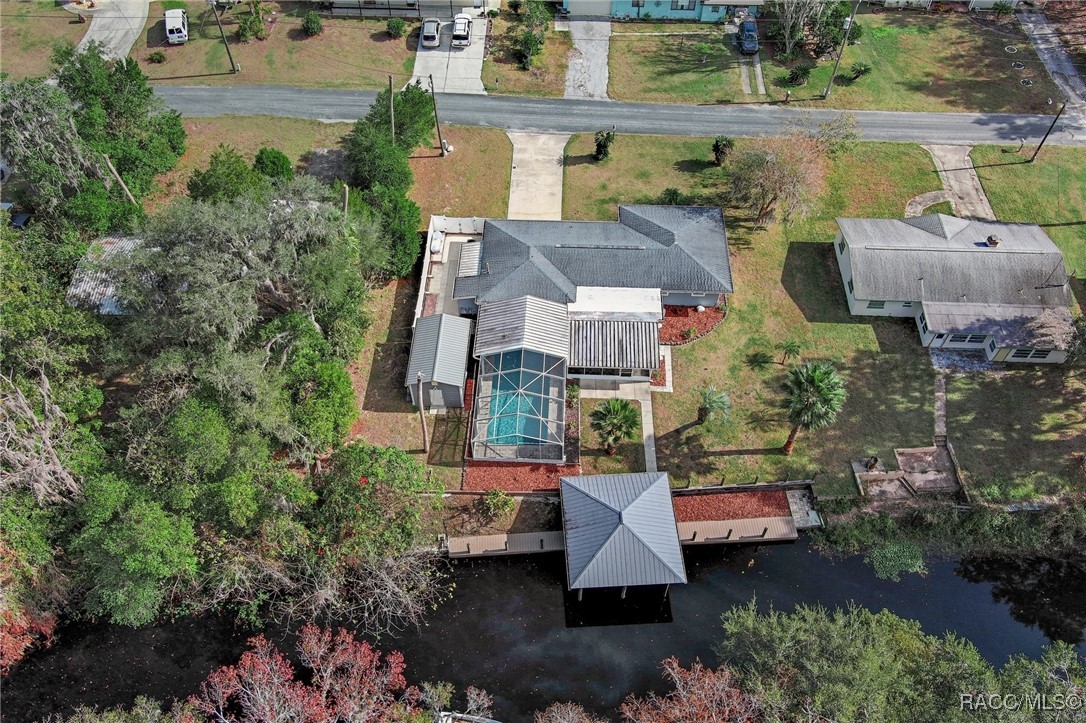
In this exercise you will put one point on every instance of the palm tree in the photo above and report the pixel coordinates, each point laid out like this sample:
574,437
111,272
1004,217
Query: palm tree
713,402
615,421
815,394
790,350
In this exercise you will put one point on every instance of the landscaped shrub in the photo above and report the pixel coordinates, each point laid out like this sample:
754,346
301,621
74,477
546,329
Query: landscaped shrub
273,163
493,13
252,26
604,139
672,197
528,46
800,74
859,70
722,146
312,25
1002,9
396,27
498,505
690,333
156,57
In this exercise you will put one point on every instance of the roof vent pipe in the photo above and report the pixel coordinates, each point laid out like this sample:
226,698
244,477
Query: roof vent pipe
993,240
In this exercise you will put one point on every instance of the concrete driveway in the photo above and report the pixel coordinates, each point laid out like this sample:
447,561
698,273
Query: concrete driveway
455,70
535,184
587,73
115,24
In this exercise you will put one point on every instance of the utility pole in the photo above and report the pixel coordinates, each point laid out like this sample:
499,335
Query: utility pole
422,417
391,109
841,53
1047,133
437,121
233,67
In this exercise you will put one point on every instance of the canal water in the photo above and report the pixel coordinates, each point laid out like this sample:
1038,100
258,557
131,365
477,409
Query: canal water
512,630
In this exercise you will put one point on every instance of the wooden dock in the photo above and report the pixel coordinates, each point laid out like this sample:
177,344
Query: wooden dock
516,543
758,529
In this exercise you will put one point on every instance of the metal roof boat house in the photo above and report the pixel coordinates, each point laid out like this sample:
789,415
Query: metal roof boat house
556,300
976,285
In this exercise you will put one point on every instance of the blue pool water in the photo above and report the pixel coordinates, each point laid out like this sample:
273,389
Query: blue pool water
509,429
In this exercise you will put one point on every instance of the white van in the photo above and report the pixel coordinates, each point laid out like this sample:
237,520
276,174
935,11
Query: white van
177,27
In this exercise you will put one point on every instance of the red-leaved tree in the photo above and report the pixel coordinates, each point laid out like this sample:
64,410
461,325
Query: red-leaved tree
350,682
701,695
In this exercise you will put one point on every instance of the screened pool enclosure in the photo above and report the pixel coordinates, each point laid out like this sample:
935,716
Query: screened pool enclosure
520,407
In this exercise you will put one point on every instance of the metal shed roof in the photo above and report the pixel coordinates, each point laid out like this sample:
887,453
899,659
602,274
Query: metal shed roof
620,530
523,323
614,344
93,287
439,349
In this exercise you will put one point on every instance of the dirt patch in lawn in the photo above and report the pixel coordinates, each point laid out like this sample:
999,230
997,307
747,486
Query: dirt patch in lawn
731,506
502,72
1069,19
516,477
685,323
471,181
462,515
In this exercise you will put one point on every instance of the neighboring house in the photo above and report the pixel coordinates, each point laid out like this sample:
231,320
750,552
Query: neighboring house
706,11
620,531
999,287
576,299
972,4
92,286
439,353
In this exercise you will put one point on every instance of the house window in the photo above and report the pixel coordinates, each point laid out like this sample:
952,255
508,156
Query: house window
1039,354
1021,353
906,304
850,286
637,3
959,338
682,4
716,9
924,323
991,345
976,339
876,305
841,246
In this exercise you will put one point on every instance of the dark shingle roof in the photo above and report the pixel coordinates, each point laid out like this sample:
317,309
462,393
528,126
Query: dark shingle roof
952,256
620,530
675,248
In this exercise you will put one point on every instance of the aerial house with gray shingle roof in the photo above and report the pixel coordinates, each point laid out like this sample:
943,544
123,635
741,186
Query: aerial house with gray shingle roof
620,531
576,299
997,287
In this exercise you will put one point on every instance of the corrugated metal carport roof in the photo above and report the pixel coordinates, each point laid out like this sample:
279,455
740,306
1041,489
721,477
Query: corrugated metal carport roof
605,344
523,323
439,349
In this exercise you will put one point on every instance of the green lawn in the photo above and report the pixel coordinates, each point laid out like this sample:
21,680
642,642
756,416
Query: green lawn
787,287
630,456
921,62
349,53
28,32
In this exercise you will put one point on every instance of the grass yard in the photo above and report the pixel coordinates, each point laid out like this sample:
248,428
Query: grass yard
787,287
921,63
472,181
630,456
28,32
1050,192
502,73
699,67
1017,433
350,53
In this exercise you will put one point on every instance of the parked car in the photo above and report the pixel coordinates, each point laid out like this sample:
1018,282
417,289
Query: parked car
747,38
17,220
177,27
461,34
431,33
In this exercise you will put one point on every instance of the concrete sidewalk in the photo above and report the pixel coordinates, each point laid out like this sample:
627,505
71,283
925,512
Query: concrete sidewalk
960,179
587,73
535,184
116,24
641,393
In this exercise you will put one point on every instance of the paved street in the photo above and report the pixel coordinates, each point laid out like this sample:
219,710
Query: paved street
562,115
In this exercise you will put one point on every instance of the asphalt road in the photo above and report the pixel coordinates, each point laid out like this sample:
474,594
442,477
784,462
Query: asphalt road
560,115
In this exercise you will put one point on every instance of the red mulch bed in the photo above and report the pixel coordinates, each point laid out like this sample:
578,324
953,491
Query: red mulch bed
659,378
517,477
678,319
731,506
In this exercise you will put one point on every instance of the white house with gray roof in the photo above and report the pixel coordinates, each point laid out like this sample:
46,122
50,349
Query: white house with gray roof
556,300
997,287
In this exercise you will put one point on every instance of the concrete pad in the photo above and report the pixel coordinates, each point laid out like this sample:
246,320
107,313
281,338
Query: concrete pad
535,185
758,73
455,70
960,179
587,73
116,24
744,75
